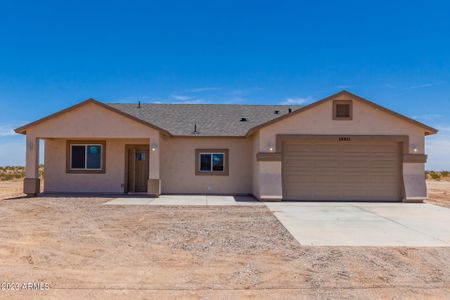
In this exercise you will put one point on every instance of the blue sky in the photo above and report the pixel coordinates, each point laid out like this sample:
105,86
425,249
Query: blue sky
56,53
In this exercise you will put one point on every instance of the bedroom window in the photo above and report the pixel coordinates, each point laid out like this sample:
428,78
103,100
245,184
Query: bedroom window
85,157
211,162
342,110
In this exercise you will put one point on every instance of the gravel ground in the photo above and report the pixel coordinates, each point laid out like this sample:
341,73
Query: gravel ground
86,250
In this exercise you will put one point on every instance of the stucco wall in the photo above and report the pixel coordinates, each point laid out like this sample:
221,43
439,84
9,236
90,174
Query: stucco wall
255,166
366,121
178,166
177,173
57,180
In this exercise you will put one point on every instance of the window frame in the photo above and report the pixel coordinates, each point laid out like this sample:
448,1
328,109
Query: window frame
86,144
342,102
211,158
224,152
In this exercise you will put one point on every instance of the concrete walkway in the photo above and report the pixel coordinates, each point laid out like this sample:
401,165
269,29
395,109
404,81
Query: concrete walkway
365,224
187,200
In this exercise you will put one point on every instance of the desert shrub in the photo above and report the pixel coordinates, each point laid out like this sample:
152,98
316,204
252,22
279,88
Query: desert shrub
19,175
435,175
444,173
11,172
16,172
5,177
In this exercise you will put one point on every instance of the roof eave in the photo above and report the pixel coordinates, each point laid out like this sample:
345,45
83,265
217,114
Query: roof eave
431,132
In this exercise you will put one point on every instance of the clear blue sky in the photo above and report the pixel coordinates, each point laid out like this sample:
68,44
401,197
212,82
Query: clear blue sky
56,53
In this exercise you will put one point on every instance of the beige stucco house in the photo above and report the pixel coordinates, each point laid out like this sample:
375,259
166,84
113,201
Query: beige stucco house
341,148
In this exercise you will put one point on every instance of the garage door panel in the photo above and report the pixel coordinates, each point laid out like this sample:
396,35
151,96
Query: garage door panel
337,171
312,164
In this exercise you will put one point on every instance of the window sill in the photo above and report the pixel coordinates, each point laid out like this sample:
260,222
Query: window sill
211,173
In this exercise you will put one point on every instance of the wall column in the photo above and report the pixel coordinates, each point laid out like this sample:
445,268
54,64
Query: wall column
31,183
414,177
270,184
154,181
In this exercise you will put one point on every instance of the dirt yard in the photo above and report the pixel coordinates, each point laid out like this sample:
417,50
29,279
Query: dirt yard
11,188
439,192
83,249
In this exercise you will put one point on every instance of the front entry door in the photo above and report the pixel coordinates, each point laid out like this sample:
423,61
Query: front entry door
137,168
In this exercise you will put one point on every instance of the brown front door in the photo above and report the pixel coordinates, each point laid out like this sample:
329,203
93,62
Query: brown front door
137,168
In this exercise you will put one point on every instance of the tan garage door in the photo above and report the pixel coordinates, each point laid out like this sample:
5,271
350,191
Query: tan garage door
332,171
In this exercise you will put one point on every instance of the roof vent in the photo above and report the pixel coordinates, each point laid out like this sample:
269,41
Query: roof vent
195,129
276,112
244,119
289,110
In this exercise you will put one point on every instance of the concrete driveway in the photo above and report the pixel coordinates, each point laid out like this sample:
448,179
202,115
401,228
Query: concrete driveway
365,224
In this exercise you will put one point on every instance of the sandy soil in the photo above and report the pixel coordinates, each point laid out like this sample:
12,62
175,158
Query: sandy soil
11,188
83,249
439,192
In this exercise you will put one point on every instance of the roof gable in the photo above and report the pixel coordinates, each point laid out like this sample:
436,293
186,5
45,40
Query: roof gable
22,129
428,130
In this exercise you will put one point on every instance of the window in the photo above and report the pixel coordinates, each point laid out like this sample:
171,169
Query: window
85,157
140,156
342,110
211,162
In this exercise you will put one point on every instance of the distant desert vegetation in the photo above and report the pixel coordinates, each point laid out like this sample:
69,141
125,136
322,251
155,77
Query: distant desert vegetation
433,175
16,172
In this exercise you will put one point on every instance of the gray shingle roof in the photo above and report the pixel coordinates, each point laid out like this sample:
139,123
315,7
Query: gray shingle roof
211,119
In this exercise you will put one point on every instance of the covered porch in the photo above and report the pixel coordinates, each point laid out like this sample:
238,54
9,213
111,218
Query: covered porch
87,150
97,165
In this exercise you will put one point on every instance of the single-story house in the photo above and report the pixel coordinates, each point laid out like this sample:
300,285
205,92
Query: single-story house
341,148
